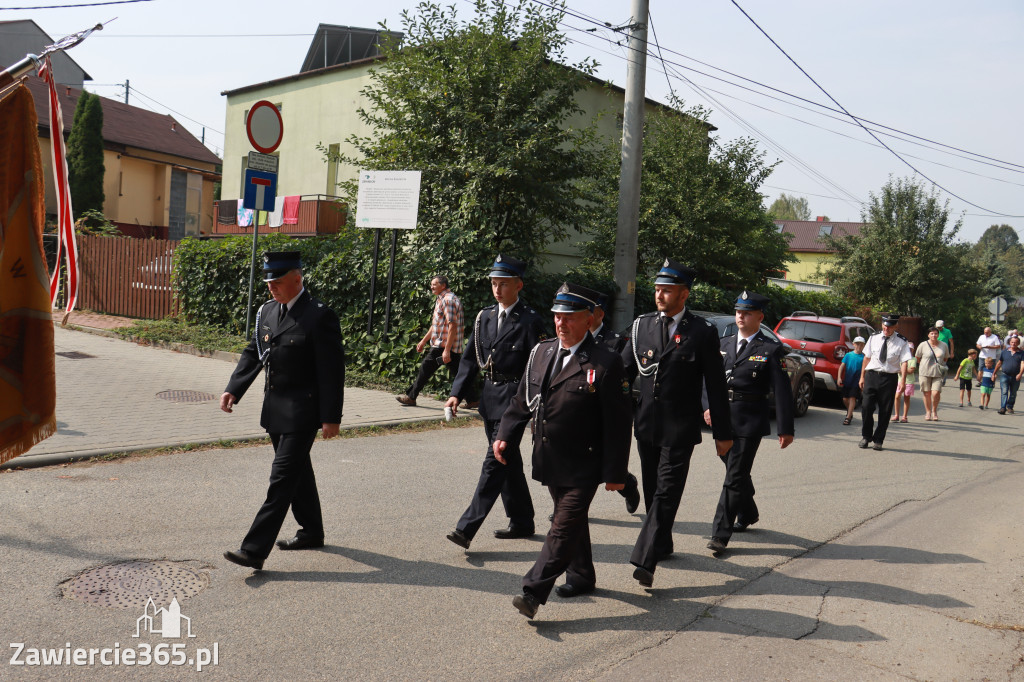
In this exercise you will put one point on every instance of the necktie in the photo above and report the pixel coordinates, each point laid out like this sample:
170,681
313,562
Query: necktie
281,313
501,319
664,321
743,347
563,353
884,353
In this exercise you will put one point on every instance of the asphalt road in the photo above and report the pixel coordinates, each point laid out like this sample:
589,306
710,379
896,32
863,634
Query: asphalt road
898,564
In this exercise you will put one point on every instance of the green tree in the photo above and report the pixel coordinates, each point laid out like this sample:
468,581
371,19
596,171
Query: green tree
699,203
907,259
85,156
1000,255
788,207
482,108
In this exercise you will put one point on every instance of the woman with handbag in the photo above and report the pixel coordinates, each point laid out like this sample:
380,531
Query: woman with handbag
931,358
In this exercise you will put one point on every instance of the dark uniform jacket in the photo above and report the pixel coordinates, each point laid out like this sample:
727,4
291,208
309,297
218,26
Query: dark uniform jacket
761,368
304,362
610,337
500,356
668,409
581,427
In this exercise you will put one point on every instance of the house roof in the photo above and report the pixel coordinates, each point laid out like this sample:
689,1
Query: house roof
807,233
333,44
4,25
124,124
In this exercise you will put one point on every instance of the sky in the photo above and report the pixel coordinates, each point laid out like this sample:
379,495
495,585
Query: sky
943,70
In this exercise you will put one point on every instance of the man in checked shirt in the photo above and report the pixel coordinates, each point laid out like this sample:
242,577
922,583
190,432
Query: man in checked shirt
445,339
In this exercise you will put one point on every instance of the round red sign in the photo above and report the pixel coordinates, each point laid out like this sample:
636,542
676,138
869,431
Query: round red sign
264,127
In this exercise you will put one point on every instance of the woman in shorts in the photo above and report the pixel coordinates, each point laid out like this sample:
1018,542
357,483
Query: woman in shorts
931,362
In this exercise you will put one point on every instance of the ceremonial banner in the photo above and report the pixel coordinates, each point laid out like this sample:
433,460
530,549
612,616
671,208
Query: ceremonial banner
65,222
28,394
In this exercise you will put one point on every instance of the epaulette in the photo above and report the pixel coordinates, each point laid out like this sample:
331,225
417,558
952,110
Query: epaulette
903,337
706,321
654,314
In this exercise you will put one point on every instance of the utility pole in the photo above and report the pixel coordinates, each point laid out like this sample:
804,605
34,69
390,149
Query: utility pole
127,87
629,174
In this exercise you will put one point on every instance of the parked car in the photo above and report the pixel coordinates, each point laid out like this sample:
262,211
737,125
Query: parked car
799,368
822,340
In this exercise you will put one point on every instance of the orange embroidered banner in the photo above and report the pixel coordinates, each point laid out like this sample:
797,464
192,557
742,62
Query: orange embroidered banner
28,393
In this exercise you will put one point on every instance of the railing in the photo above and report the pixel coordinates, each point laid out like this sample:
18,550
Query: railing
318,214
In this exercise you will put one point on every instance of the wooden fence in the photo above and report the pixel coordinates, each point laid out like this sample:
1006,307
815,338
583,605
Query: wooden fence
125,276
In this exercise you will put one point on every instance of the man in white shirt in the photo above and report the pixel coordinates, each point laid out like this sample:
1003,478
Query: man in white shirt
882,377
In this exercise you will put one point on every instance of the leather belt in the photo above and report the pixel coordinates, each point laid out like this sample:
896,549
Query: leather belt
737,396
503,379
878,371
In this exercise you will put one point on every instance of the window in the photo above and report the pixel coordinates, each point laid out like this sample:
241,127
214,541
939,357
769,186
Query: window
332,169
825,231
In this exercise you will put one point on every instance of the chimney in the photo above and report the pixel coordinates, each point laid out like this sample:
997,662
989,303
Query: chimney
173,126
820,219
67,90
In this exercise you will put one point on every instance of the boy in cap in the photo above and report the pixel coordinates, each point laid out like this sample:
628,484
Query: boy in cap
849,377
498,347
575,391
754,365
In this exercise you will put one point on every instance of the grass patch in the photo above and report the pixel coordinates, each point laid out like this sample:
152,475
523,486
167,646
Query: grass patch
172,330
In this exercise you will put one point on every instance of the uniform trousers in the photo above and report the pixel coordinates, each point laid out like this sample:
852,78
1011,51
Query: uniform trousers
431,363
292,484
737,498
567,545
663,469
880,392
507,480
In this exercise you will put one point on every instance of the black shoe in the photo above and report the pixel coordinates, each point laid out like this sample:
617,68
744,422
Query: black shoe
1002,411
527,604
551,517
643,576
243,558
877,446
741,526
406,400
632,500
513,532
863,443
717,545
300,543
568,590
459,538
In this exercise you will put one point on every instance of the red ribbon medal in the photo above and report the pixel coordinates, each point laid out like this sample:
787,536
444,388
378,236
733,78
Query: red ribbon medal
591,375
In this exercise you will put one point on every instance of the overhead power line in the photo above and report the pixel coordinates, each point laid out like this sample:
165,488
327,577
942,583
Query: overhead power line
83,4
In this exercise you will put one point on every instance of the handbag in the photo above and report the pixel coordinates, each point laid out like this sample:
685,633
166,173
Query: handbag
942,366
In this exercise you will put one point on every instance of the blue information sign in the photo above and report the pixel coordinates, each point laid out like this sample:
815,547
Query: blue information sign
260,190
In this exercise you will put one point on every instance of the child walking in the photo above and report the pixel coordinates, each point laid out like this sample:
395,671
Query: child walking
849,377
987,377
968,370
908,390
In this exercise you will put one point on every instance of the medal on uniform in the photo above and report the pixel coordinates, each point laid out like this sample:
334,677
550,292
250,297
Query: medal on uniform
266,339
591,375
650,353
678,339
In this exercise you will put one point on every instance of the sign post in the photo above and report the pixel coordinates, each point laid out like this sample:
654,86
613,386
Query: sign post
997,306
264,127
387,200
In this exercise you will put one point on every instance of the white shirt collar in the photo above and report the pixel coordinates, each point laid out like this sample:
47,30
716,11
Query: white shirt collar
503,309
290,303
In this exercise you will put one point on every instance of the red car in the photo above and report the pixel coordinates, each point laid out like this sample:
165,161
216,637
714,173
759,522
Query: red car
822,340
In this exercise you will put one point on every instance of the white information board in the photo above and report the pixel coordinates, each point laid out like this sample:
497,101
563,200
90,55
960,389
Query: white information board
388,199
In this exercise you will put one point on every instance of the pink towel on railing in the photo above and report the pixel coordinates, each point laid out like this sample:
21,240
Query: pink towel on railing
291,210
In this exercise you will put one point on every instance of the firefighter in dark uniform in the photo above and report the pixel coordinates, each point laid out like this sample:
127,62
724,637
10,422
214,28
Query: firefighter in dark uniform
297,344
498,347
575,391
674,353
754,365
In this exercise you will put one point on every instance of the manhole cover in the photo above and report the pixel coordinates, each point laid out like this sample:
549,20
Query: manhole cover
129,584
74,355
186,396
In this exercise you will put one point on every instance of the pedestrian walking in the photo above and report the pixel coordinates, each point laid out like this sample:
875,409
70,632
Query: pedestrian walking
674,353
443,343
1009,370
986,382
988,346
946,337
297,345
882,376
904,396
849,377
754,366
498,347
575,391
931,356
966,372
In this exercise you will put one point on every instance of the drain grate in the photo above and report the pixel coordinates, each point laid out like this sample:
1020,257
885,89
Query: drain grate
186,396
130,584
74,355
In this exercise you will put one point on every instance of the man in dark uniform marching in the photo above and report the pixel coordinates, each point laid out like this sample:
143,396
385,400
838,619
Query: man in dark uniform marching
297,343
674,352
882,377
498,347
576,392
754,365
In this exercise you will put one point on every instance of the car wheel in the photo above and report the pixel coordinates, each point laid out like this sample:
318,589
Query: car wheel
802,399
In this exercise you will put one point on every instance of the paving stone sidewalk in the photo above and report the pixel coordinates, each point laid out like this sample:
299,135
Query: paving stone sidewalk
109,400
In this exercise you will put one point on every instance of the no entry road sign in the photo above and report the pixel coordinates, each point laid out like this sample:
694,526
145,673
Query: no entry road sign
264,127
260,190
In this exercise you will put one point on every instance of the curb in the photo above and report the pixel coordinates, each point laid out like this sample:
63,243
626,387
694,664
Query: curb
186,348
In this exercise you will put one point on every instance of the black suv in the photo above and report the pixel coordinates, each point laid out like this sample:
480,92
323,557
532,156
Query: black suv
799,368
822,340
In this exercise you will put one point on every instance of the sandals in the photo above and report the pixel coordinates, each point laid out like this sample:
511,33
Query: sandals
846,422
903,421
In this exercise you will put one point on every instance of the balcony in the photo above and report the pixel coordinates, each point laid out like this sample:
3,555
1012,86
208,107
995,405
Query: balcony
318,214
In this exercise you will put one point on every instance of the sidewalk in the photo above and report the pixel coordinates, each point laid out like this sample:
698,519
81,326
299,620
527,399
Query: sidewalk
117,396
